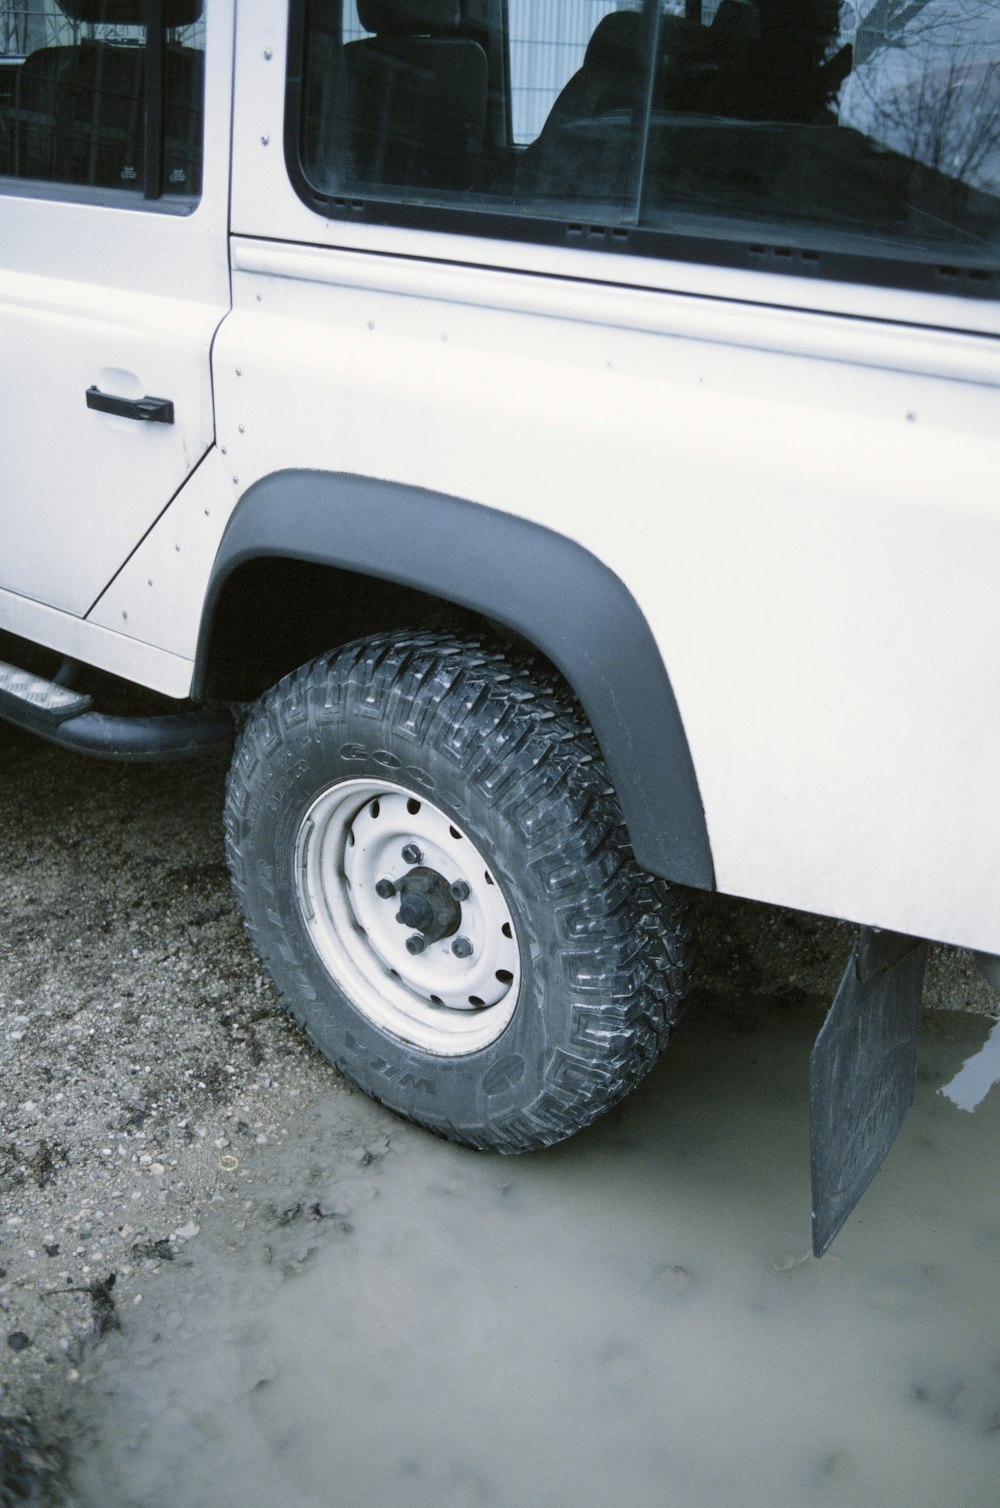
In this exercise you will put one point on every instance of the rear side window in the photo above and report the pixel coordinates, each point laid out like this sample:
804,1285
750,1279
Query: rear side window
103,94
860,141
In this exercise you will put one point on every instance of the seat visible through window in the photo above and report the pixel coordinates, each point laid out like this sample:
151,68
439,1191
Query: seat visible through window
415,96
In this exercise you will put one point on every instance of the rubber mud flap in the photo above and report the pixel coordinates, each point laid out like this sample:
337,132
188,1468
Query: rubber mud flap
863,1073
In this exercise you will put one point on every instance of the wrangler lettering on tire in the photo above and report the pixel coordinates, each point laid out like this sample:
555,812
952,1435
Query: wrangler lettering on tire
479,949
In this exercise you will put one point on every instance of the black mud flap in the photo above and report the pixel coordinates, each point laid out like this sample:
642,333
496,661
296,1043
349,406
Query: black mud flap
864,1068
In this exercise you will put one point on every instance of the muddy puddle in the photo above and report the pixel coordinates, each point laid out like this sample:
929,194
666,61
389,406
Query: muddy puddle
632,1318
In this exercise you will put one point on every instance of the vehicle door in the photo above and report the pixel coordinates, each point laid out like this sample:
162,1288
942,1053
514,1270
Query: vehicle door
113,276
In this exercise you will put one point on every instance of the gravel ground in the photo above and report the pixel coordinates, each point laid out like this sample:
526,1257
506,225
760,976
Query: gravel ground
144,1057
142,1052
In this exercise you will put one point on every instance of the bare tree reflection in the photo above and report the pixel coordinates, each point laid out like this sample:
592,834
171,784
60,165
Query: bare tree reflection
927,86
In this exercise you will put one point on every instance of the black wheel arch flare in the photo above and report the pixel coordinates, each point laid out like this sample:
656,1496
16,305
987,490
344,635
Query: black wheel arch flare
538,583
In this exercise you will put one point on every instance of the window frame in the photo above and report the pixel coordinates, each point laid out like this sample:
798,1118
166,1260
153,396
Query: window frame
765,253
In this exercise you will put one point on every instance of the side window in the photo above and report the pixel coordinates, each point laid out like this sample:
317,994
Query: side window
851,138
437,103
90,98
870,129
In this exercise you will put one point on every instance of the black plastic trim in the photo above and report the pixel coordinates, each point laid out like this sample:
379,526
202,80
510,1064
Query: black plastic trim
152,177
540,584
147,410
785,259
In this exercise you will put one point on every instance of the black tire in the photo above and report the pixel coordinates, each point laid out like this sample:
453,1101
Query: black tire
494,745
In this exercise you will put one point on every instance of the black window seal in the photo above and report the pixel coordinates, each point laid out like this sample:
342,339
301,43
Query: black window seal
152,141
103,198
779,256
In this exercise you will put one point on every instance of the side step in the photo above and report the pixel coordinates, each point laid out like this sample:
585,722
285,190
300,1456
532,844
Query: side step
66,717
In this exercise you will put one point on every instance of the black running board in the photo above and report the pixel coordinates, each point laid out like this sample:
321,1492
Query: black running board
66,717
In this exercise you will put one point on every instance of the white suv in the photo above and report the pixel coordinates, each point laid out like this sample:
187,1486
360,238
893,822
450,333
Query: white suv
568,436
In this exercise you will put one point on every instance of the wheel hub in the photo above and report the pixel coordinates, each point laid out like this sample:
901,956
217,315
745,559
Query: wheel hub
427,905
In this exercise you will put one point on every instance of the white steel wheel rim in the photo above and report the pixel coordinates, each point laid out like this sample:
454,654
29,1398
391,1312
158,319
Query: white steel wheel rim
446,999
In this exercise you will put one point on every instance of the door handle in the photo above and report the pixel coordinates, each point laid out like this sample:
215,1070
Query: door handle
148,410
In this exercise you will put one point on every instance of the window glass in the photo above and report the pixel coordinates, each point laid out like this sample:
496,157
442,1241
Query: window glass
545,52
870,128
432,102
719,129
88,99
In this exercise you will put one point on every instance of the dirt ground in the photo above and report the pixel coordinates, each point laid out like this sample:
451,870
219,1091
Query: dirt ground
145,1065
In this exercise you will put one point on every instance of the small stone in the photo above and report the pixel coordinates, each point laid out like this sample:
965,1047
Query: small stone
18,1341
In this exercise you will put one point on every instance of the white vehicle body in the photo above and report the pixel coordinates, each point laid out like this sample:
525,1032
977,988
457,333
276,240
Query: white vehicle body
791,471
797,481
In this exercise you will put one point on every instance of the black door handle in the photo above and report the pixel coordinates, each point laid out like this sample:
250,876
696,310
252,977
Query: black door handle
149,410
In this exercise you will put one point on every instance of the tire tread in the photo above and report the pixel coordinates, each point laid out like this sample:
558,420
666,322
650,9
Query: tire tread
516,732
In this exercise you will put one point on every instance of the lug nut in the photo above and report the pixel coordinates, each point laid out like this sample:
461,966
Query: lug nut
460,891
412,854
385,890
415,944
461,947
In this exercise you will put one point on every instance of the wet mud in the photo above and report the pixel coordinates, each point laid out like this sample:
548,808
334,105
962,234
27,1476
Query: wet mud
226,1280
633,1317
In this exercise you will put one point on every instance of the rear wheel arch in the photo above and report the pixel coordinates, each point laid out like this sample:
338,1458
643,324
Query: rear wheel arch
417,548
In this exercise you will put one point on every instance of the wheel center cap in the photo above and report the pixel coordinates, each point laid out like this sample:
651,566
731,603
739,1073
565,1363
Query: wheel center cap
426,905
416,912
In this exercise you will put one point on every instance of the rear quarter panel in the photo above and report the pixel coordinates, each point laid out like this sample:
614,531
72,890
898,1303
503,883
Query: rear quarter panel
803,500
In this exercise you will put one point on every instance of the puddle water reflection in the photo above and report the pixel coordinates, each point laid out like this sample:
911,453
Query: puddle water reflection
631,1318
978,1074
